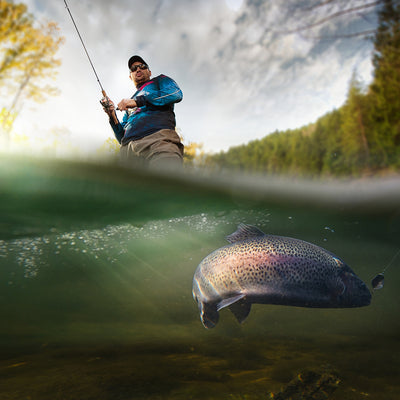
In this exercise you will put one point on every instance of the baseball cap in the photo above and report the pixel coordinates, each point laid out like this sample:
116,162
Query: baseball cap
134,59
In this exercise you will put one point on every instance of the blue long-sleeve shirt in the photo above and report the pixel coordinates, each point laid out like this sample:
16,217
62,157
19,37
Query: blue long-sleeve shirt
155,101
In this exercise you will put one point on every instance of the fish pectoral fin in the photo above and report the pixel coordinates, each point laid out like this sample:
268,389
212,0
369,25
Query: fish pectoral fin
238,305
240,310
244,232
229,301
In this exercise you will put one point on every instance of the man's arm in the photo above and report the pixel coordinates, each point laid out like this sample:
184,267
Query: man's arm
109,109
163,91
124,104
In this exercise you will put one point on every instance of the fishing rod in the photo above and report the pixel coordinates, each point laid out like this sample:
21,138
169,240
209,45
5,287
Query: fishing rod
90,61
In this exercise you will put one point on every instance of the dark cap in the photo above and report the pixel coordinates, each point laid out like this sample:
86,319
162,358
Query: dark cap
134,59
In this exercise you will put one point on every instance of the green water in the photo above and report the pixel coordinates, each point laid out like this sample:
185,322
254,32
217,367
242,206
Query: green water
96,267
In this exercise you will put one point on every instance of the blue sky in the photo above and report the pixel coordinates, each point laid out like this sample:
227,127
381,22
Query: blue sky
243,72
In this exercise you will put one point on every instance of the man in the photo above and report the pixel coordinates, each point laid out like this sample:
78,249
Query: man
147,131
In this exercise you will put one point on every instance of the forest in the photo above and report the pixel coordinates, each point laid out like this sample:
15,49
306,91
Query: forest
361,138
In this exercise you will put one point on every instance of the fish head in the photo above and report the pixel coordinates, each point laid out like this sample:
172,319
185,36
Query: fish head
355,292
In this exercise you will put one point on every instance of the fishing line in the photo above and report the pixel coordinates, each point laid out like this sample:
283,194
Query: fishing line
391,262
84,47
106,104
379,279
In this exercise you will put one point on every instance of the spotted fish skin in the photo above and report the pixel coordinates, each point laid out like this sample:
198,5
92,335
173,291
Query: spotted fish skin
269,269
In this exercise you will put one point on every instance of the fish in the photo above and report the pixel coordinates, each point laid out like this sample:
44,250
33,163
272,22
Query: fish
268,269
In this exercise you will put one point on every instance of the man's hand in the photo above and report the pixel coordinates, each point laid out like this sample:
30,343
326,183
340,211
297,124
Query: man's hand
109,109
108,106
124,104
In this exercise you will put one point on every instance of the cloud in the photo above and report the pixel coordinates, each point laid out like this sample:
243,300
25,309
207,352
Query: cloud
242,72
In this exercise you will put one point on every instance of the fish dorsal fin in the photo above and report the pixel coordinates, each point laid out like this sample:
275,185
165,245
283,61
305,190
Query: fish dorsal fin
240,310
229,301
244,232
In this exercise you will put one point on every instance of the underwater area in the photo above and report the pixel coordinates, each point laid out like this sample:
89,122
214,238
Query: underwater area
96,269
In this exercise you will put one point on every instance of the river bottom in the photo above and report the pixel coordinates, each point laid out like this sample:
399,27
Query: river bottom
219,368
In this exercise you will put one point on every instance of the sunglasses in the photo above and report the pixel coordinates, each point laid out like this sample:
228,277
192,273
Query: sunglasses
134,68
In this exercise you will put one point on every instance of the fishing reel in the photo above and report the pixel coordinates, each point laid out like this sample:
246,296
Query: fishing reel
105,102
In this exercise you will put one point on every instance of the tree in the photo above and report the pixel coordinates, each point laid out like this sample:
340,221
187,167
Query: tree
354,129
194,153
385,88
27,55
110,147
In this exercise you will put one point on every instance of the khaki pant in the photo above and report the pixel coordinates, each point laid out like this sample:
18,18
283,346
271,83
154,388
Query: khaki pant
158,149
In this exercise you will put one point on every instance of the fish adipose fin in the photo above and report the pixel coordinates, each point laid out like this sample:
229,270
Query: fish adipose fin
244,232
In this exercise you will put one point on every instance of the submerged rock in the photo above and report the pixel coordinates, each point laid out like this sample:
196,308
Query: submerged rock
310,384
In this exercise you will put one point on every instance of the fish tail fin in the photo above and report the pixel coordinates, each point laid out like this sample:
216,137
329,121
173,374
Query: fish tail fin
240,310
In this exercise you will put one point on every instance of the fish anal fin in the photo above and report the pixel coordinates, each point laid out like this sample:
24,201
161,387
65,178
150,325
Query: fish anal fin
229,301
240,310
244,232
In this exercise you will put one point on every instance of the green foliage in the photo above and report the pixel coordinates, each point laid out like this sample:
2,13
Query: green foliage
110,147
193,152
362,137
6,118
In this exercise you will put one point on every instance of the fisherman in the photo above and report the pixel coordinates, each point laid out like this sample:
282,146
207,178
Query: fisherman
147,131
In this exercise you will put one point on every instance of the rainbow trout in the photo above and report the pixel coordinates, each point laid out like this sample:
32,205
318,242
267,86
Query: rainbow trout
268,269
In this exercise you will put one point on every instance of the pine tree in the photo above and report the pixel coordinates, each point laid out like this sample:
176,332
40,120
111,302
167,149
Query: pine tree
354,129
385,88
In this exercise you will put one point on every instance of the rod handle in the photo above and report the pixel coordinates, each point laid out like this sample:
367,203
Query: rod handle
113,115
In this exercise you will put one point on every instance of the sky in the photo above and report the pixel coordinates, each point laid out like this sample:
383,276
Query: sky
246,67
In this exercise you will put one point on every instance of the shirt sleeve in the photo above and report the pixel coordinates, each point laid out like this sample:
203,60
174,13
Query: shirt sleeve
163,91
119,128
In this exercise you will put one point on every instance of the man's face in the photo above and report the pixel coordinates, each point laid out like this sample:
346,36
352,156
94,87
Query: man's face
139,74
